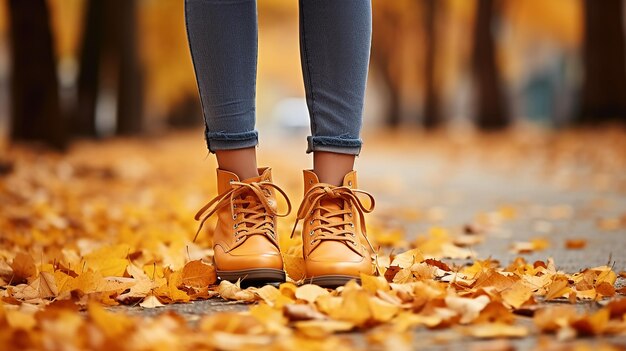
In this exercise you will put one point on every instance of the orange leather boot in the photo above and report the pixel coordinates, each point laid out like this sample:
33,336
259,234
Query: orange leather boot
335,245
244,240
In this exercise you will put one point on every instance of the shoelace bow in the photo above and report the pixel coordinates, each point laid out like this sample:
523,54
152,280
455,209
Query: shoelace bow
257,211
334,230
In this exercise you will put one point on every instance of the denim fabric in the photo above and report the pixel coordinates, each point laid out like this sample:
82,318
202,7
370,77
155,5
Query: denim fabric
335,37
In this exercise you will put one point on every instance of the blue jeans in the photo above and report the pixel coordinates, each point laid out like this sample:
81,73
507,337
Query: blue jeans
335,37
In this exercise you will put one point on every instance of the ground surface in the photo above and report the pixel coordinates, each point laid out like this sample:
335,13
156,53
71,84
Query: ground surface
552,187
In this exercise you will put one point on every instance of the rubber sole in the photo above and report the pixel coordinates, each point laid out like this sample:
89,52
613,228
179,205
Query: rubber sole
253,276
332,281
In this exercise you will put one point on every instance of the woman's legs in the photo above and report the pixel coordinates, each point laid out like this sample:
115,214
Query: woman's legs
335,38
335,41
223,41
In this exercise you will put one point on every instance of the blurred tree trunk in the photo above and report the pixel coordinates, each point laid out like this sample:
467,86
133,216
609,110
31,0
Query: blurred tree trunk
432,115
110,72
35,106
604,86
130,87
84,119
385,46
491,111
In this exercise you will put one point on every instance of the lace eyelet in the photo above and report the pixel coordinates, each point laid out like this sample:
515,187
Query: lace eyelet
235,225
234,206
354,243
311,233
349,214
232,180
234,216
349,183
353,235
352,225
311,222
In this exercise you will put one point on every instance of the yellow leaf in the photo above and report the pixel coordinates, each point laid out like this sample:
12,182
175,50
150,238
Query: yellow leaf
310,292
175,280
230,291
86,282
20,320
467,308
558,288
353,308
300,312
551,319
46,285
141,288
268,294
288,290
517,294
151,302
294,263
109,260
113,325
328,303
382,311
408,258
271,318
372,283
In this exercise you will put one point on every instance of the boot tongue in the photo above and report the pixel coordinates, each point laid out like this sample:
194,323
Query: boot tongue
333,204
249,196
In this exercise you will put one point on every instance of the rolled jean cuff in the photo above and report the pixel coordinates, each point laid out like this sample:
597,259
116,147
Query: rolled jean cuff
340,145
231,141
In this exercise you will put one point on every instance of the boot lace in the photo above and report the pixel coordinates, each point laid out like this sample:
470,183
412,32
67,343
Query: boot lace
249,202
328,226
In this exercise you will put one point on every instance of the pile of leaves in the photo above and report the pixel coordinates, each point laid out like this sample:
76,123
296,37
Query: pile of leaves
79,236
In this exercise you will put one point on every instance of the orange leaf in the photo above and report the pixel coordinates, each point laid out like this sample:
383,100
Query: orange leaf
23,267
198,274
575,244
605,289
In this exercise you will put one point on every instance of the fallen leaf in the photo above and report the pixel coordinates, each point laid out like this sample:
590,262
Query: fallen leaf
517,294
151,302
46,285
407,259
230,291
310,292
374,283
297,312
198,274
605,289
23,267
575,244
467,308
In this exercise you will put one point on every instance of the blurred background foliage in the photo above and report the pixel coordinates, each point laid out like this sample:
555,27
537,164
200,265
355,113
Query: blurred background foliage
97,68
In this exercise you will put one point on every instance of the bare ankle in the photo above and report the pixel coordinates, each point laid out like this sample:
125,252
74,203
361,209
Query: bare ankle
242,162
331,167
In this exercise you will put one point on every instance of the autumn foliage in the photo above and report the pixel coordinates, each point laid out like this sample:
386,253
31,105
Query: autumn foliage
85,242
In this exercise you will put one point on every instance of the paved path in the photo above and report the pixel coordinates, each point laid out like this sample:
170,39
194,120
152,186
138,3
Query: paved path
449,183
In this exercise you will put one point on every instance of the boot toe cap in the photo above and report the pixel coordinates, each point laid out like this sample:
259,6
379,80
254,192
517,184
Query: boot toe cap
225,261
349,264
